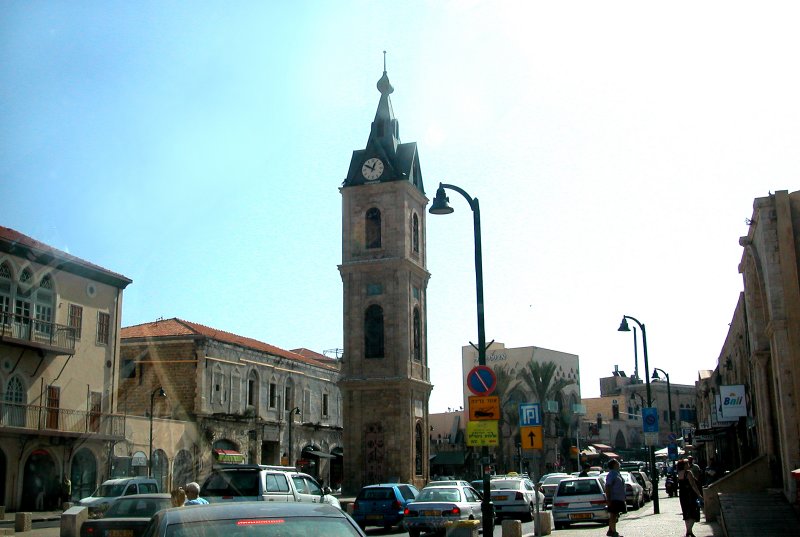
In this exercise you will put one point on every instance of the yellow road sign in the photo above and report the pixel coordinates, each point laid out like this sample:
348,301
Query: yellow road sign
482,433
484,408
531,437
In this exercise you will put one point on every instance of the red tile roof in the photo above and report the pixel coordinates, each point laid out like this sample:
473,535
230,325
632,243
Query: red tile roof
16,243
179,327
308,353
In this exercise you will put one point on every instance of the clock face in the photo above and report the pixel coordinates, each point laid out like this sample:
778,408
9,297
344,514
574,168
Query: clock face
372,169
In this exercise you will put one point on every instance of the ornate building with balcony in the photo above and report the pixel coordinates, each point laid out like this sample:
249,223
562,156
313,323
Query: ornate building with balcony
59,338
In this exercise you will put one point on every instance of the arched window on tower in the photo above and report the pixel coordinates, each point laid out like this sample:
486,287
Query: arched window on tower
417,335
372,226
415,233
373,332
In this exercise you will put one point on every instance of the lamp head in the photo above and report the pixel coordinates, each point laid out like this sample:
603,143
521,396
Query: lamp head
441,203
296,410
655,375
161,392
623,326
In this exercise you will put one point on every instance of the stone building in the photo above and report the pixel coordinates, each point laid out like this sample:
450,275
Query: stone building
226,398
59,335
385,378
760,359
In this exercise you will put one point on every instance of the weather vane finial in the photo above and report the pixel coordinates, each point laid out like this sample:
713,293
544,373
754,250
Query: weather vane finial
384,61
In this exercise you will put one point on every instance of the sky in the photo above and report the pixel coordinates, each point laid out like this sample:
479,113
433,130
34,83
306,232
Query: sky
616,149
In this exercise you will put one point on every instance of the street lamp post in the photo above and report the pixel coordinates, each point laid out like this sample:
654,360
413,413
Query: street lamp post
161,393
669,396
623,327
441,205
290,451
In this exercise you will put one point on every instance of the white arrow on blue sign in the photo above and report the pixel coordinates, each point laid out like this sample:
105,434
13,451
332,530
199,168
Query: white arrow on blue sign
650,420
530,414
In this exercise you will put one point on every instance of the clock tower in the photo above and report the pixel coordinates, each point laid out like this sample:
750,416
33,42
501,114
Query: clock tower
385,383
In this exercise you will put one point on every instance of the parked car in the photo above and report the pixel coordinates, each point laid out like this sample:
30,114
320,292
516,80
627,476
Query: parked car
515,497
634,493
111,489
644,480
436,505
255,482
449,483
548,485
579,499
255,518
127,516
383,505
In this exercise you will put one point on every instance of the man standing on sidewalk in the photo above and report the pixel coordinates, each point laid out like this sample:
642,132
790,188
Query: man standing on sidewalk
615,496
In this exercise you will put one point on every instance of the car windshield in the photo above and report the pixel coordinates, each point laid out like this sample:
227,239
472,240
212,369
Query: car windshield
109,491
265,527
439,494
578,487
505,484
132,506
554,479
376,494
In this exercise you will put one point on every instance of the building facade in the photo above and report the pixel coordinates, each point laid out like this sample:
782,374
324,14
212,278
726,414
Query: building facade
226,399
59,340
760,358
385,378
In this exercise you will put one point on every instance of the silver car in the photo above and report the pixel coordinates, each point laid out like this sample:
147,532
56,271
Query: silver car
515,497
579,499
436,506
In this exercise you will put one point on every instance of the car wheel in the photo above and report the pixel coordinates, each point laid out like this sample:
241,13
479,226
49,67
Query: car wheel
529,516
413,533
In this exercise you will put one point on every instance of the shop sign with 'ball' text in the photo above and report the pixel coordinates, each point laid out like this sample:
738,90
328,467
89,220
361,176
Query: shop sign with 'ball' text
732,401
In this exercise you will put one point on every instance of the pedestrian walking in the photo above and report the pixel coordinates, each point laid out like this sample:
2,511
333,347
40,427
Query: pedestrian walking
193,495
688,494
615,497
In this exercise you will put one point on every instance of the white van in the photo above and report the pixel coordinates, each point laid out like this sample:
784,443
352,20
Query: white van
112,489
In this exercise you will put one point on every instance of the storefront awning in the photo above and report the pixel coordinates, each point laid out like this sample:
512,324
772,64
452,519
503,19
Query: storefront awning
602,447
454,458
228,456
611,455
320,454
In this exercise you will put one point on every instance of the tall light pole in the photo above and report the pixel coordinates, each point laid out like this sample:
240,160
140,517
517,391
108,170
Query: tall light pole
669,395
441,205
290,451
161,393
623,327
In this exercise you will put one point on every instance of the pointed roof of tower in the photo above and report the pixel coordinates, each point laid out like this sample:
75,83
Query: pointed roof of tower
401,160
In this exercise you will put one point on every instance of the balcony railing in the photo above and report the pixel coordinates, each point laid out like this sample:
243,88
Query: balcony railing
29,332
44,418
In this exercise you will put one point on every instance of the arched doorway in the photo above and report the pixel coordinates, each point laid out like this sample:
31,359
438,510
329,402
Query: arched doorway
337,468
40,483
3,474
83,474
161,469
182,469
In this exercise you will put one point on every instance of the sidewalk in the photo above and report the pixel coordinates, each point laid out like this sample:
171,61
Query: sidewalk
668,523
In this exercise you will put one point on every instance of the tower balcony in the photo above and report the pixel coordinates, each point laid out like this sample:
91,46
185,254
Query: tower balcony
45,337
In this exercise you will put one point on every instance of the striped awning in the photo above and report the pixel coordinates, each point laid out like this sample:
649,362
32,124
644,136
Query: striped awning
229,456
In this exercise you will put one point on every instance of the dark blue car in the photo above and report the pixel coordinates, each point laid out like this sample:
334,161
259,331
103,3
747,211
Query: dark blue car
383,505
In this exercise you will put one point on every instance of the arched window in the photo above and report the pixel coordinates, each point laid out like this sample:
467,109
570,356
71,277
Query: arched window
372,227
22,303
417,328
43,307
415,233
252,390
14,407
373,332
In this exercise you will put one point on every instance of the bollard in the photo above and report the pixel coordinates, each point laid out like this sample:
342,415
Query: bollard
22,522
512,528
71,521
462,528
2,512
544,522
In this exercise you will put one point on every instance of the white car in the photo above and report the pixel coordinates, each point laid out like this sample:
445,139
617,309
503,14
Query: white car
579,499
634,493
515,497
436,506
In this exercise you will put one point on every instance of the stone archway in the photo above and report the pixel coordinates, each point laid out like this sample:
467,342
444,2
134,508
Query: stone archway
182,469
619,441
83,474
40,483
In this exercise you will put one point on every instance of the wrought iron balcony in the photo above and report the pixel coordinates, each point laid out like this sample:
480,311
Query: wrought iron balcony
37,334
43,418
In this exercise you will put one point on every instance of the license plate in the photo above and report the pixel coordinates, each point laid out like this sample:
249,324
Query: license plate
430,513
120,533
501,498
580,516
374,517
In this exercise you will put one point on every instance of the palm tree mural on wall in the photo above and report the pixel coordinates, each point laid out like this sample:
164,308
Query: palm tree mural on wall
533,382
